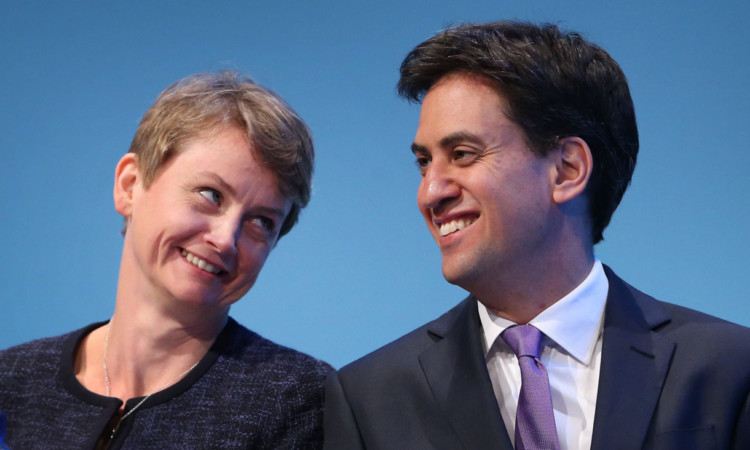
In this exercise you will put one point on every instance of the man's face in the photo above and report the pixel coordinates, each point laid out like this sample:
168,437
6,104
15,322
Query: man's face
486,198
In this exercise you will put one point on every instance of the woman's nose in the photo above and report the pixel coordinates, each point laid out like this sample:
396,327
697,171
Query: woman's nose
224,233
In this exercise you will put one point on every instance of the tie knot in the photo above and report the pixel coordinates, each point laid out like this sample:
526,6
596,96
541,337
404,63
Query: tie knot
523,340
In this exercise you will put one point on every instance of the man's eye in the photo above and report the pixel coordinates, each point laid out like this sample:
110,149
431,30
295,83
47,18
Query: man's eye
211,195
422,162
463,155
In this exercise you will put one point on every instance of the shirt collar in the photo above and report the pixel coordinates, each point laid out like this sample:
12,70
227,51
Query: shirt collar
574,322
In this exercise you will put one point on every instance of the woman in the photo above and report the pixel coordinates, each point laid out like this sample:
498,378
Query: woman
217,172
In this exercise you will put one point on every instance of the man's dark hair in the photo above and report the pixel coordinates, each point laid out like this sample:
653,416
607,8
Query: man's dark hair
555,84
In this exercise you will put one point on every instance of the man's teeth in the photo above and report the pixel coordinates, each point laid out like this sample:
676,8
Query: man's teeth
454,225
201,264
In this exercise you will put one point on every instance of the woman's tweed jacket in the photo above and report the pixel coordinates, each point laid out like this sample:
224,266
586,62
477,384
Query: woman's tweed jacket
247,392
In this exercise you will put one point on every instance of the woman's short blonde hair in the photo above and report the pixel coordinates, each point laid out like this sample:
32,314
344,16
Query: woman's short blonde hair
203,102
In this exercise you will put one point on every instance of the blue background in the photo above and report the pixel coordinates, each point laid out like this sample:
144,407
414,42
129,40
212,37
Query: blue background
360,269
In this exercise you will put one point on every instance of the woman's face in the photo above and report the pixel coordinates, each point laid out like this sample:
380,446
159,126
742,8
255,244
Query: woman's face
201,232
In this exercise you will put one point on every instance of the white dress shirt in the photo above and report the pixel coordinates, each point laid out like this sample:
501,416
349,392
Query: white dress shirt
571,351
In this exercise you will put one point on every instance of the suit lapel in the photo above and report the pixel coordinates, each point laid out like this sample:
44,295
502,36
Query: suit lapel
635,361
457,375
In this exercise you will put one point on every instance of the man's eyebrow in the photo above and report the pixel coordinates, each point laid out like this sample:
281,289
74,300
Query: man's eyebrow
416,148
460,136
450,141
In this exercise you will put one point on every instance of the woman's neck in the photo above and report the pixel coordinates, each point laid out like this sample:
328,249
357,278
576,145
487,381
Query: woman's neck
145,351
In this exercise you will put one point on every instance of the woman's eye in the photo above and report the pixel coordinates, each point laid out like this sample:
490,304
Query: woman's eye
211,195
264,222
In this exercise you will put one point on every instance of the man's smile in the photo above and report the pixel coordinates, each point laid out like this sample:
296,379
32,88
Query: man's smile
455,225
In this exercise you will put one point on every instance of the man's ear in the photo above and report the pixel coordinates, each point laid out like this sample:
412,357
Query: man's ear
574,165
126,178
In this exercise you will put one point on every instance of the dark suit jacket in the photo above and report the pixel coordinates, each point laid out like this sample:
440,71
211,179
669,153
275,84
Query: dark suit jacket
671,378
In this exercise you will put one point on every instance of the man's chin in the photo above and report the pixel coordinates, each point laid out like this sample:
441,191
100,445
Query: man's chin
458,276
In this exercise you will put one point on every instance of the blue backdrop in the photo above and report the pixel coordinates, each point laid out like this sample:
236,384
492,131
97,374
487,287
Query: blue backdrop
360,269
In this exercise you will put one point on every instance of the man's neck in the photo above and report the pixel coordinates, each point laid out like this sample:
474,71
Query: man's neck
521,296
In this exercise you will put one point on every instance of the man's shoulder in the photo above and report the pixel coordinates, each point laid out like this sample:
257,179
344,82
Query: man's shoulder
403,353
682,324
699,326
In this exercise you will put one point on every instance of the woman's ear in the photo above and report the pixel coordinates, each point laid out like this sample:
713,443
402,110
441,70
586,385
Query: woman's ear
574,165
126,177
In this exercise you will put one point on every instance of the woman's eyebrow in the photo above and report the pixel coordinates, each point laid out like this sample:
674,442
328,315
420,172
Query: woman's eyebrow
226,187
218,180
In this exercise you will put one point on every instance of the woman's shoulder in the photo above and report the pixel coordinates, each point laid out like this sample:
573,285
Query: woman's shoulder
248,347
19,356
39,355
25,367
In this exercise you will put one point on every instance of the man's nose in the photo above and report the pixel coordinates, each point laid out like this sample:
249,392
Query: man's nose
438,186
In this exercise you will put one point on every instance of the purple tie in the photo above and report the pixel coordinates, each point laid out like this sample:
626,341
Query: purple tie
535,421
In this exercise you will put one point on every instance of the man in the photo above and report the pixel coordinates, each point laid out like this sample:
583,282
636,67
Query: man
526,143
